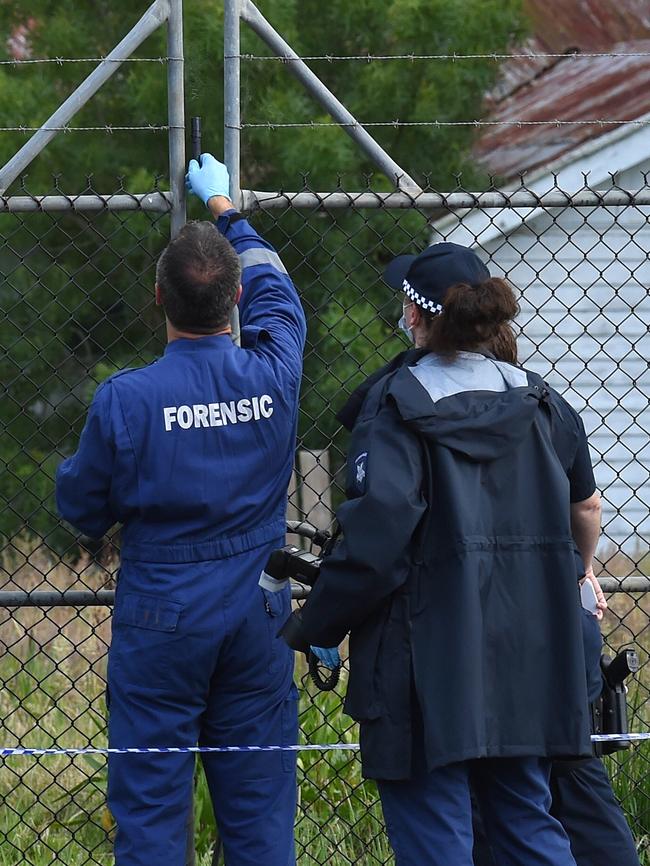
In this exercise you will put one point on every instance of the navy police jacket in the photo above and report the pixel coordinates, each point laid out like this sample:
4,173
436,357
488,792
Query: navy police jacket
193,453
455,574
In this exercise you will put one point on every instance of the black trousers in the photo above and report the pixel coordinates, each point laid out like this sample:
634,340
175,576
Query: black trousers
584,803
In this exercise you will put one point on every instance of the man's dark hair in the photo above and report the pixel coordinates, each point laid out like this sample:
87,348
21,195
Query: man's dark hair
198,275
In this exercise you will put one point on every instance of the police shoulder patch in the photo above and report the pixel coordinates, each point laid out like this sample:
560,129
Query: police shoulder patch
360,472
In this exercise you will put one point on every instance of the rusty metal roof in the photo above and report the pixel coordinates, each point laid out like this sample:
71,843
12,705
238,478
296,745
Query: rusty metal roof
568,88
589,25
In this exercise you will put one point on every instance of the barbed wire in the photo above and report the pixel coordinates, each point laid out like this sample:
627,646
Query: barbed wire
332,58
370,58
445,123
107,127
61,60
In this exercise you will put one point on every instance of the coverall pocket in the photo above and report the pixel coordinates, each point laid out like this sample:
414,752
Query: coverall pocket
278,607
148,612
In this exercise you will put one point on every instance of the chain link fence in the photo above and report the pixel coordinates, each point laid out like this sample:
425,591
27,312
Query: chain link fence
76,297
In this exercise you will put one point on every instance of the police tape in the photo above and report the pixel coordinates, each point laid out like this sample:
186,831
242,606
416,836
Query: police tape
613,738
305,747
176,750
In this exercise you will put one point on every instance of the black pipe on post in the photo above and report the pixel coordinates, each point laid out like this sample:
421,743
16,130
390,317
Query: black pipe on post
196,137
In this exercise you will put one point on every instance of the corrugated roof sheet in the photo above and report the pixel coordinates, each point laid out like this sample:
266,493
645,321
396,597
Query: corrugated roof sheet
601,88
590,25
611,88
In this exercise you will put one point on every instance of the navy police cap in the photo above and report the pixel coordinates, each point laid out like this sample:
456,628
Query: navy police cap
426,277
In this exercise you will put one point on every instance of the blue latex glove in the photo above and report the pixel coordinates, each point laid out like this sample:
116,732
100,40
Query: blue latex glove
207,179
329,657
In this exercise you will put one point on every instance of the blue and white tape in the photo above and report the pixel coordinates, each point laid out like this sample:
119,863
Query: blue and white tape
179,750
613,738
306,747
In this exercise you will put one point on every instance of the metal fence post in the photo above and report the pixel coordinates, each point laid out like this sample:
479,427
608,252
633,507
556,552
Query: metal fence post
176,123
232,115
231,97
176,115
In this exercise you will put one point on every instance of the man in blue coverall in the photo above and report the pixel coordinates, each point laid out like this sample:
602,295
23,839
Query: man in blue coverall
192,455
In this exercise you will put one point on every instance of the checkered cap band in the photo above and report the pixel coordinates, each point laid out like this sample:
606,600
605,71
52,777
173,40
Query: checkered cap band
425,303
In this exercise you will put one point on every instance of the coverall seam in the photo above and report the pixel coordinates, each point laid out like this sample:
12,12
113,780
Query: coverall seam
276,365
128,433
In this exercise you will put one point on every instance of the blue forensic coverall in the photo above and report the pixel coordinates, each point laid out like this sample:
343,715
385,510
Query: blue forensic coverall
192,455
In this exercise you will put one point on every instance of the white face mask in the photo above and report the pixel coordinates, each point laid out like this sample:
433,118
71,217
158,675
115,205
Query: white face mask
403,326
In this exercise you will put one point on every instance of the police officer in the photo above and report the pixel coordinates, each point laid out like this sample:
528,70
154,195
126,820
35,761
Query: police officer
582,797
192,455
456,579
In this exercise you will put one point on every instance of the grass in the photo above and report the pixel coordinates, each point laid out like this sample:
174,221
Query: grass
53,809
630,774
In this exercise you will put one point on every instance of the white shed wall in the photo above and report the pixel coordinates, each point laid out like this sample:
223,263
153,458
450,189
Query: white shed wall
584,277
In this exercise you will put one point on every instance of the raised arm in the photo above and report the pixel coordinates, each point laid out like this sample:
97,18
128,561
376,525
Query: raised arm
271,315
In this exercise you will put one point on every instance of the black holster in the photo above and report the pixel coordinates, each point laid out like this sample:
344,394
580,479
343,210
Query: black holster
609,712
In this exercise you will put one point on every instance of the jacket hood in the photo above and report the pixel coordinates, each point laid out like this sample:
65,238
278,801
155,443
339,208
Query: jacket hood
482,425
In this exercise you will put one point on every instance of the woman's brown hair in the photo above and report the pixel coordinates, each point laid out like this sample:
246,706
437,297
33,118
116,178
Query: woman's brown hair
504,345
475,317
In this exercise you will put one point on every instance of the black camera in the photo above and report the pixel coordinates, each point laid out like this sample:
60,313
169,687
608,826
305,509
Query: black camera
291,561
609,711
301,565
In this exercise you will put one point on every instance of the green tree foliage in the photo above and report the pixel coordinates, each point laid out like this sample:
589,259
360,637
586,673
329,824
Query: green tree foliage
76,292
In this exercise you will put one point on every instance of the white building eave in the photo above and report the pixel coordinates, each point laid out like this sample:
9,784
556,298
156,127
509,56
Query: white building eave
618,150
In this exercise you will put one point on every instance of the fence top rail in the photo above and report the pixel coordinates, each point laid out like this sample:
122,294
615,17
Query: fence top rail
92,203
491,199
255,200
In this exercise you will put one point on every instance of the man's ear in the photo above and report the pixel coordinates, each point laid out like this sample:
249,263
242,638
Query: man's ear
158,294
238,295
